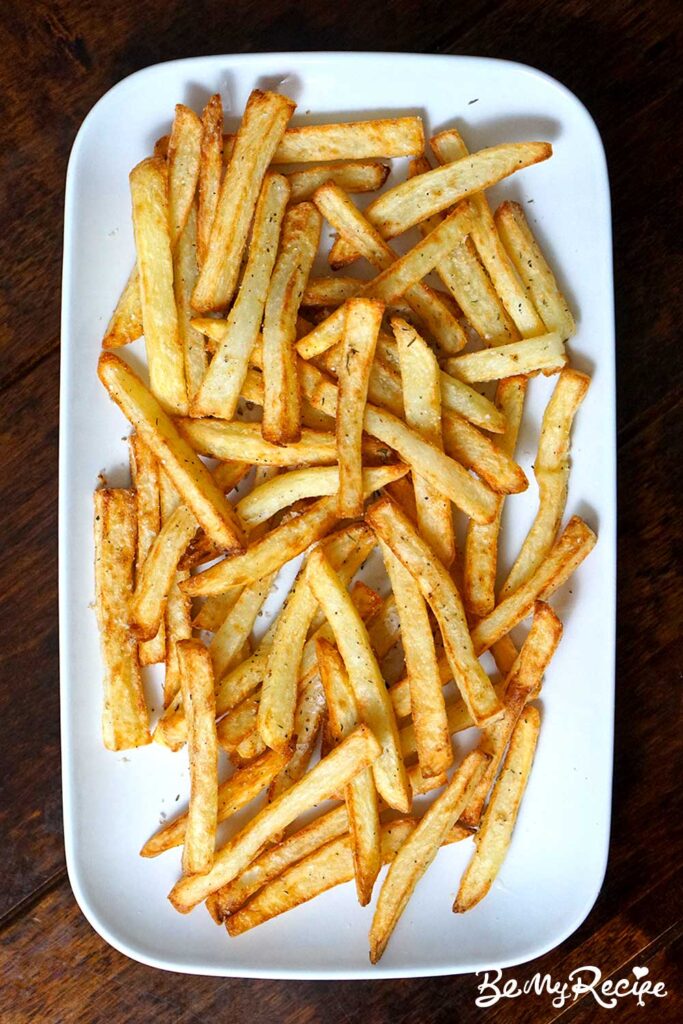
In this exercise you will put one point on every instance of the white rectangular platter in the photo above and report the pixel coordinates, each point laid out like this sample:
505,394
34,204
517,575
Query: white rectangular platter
112,802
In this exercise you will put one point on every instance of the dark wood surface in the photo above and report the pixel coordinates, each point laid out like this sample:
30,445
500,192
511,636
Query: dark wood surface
620,57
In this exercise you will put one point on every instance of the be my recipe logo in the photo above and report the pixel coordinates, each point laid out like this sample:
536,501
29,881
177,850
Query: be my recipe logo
581,982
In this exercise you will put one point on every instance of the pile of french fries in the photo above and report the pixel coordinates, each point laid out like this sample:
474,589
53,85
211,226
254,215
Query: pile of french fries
376,430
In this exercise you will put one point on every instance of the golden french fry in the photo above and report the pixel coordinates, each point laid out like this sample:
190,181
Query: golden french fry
360,795
533,269
244,441
298,245
474,450
233,794
366,679
356,752
184,151
178,617
361,326
434,750
544,354
352,140
185,275
191,478
448,147
495,833
222,385
355,176
308,719
419,850
394,528
144,473
569,550
421,784
126,320
551,469
263,124
165,358
481,543
212,613
210,172
124,718
230,636
422,402
158,573
196,680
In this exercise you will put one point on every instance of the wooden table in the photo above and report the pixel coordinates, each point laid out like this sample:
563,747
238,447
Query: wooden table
59,56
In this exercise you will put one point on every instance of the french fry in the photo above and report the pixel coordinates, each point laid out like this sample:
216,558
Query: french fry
495,833
175,456
418,851
569,550
360,795
335,205
177,615
361,326
244,441
308,719
533,269
196,680
366,679
263,124
427,703
551,469
185,275
476,451
212,613
184,151
448,147
355,176
126,320
222,385
275,861
298,245
144,474
481,543
330,291
158,572
165,357
544,354
313,482
352,140
233,794
228,639
124,718
210,172
356,752
522,685
394,528
422,402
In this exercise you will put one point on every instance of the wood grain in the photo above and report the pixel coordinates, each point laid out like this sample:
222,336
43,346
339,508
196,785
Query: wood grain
621,58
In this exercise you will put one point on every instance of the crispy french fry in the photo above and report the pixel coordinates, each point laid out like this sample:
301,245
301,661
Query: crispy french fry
481,544
144,473
394,528
185,275
158,573
177,617
356,752
448,147
212,613
124,718
533,269
238,440
551,469
352,140
495,834
310,710
282,402
434,750
189,475
126,320
366,679
233,794
223,383
196,680
419,850
544,354
184,150
569,550
228,639
360,795
210,172
355,176
422,402
263,124
313,482
361,326
165,358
